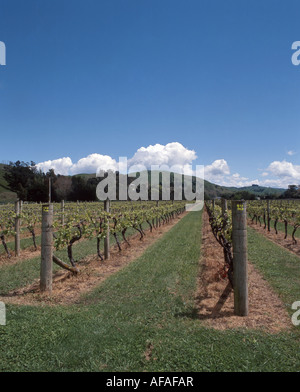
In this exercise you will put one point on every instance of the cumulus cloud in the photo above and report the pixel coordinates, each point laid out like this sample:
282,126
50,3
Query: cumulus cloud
291,152
285,169
172,155
219,173
219,168
60,166
274,183
177,158
89,164
92,163
283,173
280,174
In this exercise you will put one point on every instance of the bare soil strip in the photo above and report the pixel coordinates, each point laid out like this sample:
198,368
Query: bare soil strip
278,239
68,288
215,300
28,253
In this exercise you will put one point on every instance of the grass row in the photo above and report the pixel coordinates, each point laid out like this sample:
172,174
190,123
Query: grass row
25,243
25,272
281,228
279,266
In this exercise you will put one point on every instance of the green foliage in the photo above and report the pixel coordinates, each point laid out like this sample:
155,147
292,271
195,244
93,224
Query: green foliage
150,303
284,211
242,195
293,192
82,189
28,183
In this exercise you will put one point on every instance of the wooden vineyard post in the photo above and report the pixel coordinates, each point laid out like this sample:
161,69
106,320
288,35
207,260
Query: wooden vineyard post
240,262
17,228
21,209
49,190
224,209
224,206
47,249
268,214
62,212
106,239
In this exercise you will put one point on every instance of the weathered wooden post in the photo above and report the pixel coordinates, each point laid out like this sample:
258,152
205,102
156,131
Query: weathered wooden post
49,190
21,209
62,212
17,228
240,259
106,239
224,206
47,249
224,212
268,214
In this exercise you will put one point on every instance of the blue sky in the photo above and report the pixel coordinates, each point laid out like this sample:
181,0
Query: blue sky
91,81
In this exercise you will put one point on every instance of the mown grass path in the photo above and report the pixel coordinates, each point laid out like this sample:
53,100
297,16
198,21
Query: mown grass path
141,319
279,266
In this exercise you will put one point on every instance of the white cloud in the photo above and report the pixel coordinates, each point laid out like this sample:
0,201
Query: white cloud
285,170
219,173
218,169
60,166
291,152
92,163
237,181
281,174
276,183
170,154
89,164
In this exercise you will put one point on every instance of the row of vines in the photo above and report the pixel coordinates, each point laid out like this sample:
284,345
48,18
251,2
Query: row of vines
262,212
77,221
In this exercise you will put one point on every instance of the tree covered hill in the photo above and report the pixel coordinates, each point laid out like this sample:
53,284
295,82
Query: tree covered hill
5,193
83,186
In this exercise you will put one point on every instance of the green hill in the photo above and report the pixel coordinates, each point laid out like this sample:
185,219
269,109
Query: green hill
211,190
6,195
214,191
261,190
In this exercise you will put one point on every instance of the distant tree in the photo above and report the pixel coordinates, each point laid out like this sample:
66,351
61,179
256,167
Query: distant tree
82,190
293,192
28,182
242,195
18,175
